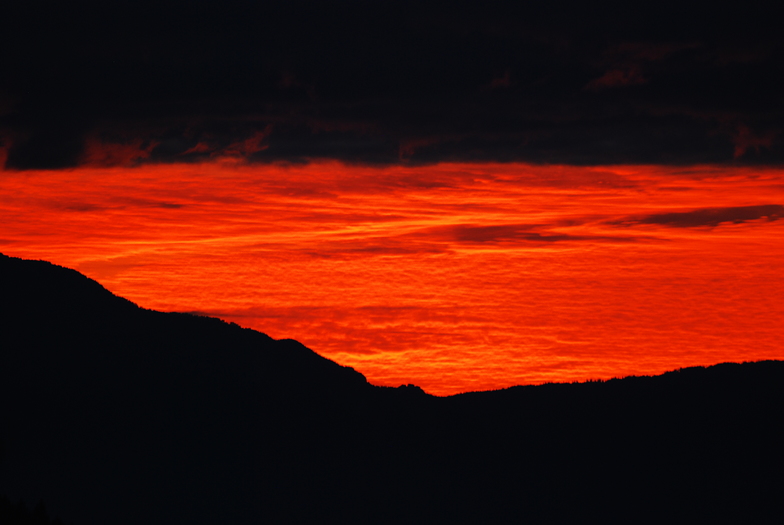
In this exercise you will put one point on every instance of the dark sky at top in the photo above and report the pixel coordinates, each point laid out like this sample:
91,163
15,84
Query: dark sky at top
391,82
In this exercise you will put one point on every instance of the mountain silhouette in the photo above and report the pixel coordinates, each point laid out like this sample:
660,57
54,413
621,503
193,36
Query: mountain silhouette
114,414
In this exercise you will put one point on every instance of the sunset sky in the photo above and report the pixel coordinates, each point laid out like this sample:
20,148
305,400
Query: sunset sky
457,196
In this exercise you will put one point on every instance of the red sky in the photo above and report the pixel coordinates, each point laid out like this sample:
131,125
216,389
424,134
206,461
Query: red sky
454,277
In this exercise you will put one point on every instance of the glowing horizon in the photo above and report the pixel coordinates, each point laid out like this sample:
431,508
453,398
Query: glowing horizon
454,277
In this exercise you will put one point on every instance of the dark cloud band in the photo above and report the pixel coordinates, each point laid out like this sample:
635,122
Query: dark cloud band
378,83
715,216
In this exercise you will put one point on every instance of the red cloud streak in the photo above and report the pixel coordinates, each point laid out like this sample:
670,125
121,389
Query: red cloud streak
453,277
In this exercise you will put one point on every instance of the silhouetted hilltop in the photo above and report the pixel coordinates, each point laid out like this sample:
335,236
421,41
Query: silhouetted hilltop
113,414
58,313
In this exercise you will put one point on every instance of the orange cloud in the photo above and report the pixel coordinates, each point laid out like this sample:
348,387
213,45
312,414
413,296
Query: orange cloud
200,147
3,155
454,277
745,139
252,144
100,153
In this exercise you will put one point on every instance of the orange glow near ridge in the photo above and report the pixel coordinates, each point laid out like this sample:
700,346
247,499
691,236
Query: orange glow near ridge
452,277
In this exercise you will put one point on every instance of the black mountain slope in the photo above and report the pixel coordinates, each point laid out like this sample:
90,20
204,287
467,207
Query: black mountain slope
113,414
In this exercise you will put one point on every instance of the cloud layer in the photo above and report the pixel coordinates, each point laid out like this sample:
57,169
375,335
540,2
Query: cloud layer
390,83
454,276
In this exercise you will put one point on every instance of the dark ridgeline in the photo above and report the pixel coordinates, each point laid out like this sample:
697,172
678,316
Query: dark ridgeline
112,414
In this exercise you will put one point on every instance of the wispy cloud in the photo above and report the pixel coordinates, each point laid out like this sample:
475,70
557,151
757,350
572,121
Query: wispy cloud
453,276
712,216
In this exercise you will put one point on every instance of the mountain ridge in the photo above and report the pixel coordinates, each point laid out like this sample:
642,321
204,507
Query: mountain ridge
67,296
116,414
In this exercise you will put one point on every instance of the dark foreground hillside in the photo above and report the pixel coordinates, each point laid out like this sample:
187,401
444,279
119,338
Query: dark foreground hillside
112,414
